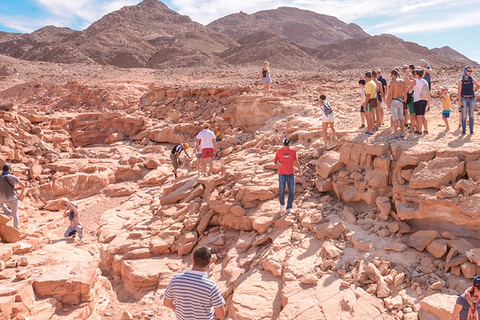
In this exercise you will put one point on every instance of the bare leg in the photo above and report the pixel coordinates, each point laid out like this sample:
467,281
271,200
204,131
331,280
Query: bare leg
324,132
447,127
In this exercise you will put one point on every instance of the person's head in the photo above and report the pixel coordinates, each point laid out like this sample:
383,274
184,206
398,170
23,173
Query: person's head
361,82
185,145
475,288
379,73
374,74
368,76
265,64
217,128
418,73
411,67
394,74
444,89
467,71
7,168
323,97
205,125
202,257
405,68
423,63
286,142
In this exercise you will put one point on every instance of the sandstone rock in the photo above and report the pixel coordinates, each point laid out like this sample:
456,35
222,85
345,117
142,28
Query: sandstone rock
114,137
322,231
462,245
473,256
448,192
468,270
337,230
257,296
466,185
360,244
458,260
384,205
420,239
8,233
328,163
349,214
436,285
323,185
24,274
437,305
398,247
238,211
404,227
437,248
438,172
383,290
331,250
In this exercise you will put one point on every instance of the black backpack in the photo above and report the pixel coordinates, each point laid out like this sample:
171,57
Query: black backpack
327,108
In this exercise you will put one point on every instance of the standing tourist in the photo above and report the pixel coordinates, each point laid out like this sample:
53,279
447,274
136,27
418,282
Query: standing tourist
207,142
427,72
192,294
175,156
466,306
407,70
327,118
285,158
397,95
446,107
370,102
361,83
382,95
266,79
9,195
466,98
419,102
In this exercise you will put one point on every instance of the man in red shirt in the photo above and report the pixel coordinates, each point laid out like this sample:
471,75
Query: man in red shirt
285,158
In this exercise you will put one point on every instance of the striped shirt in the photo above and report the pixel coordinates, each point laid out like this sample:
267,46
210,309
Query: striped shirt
195,295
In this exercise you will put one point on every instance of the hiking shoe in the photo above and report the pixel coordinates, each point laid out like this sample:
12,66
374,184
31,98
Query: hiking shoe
282,207
369,133
290,210
463,132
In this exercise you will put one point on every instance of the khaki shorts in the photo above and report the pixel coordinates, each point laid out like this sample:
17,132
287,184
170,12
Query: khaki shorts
174,160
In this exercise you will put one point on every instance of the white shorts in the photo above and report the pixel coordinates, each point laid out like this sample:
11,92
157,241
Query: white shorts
328,118
396,108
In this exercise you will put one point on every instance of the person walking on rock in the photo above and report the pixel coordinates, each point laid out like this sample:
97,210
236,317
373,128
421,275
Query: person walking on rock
175,156
75,227
466,306
192,294
466,98
285,158
266,79
9,195
207,142
328,119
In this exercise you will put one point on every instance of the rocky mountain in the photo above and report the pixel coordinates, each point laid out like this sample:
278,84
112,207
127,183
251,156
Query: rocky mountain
453,55
304,27
150,35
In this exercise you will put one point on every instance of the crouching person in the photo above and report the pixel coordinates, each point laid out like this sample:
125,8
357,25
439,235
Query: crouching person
75,225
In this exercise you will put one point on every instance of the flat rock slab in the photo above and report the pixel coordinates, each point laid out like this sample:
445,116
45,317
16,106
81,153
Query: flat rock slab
421,239
437,306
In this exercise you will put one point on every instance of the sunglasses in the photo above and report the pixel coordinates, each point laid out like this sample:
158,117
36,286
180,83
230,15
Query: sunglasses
404,68
468,71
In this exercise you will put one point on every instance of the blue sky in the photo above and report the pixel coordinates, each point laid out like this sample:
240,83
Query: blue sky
432,23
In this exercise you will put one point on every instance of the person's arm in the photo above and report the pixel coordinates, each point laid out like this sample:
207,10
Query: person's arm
214,140
22,190
168,303
477,85
297,164
220,312
367,97
459,97
261,73
186,153
385,91
456,311
389,96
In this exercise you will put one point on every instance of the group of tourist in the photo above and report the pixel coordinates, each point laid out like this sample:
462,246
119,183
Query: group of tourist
408,95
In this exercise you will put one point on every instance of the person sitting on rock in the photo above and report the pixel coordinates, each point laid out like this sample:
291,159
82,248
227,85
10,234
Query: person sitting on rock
175,156
8,194
218,134
75,225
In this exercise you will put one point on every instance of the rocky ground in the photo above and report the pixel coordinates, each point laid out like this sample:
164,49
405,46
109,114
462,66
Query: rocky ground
381,230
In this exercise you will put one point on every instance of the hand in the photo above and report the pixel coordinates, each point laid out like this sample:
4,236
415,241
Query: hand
21,197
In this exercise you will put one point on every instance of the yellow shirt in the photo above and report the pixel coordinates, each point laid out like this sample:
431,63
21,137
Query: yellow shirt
446,102
219,135
371,88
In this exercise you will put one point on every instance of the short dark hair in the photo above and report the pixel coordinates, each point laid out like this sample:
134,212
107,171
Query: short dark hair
374,73
419,72
6,167
394,72
368,74
323,97
412,67
361,81
202,257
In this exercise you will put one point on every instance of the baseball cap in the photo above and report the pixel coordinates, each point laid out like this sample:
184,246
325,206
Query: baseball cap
423,61
286,141
186,145
445,87
476,281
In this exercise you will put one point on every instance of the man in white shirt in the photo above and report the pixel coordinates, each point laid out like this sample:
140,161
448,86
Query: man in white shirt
206,141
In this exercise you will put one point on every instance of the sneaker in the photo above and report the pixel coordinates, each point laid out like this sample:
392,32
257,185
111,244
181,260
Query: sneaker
369,133
463,132
282,207
375,129
425,132
392,137
362,126
417,132
471,132
401,136
290,210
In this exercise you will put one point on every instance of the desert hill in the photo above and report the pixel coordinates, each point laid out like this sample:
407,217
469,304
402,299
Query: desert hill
454,55
304,27
150,35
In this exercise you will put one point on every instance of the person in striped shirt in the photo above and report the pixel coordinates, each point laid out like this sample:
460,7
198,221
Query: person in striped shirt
192,294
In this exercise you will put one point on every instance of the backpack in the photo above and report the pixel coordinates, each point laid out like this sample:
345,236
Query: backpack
327,108
425,93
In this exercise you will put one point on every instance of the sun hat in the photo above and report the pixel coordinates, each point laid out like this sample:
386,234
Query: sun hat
445,87
205,125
